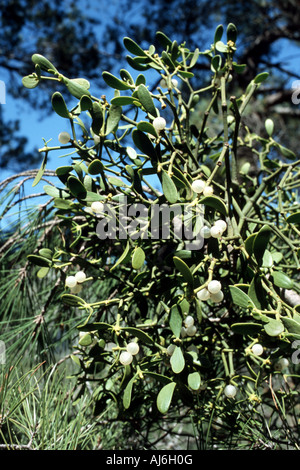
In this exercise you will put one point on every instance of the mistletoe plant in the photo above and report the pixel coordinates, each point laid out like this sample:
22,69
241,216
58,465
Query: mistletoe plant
197,324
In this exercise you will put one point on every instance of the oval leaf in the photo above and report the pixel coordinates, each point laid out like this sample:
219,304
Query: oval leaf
165,396
184,270
59,105
274,328
194,380
115,82
169,188
146,99
282,280
175,321
138,258
177,360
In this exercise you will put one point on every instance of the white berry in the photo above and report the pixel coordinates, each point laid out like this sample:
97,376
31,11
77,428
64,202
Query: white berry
191,330
133,348
159,123
163,83
174,82
76,289
208,191
214,287
198,186
215,231
257,349
205,232
216,298
189,321
97,207
221,224
80,276
203,294
183,332
126,358
64,137
230,391
71,281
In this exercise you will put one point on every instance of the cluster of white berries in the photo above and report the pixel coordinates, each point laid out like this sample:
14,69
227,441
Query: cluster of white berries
64,137
163,83
200,186
212,292
126,357
188,329
74,282
215,231
159,123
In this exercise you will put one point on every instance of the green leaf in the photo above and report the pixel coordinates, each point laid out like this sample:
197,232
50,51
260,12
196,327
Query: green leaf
140,334
231,33
146,99
218,33
41,171
194,380
175,321
75,88
240,298
59,105
115,82
221,47
133,47
177,360
249,243
97,118
165,396
159,377
46,253
286,152
42,272
138,258
147,127
114,116
294,218
82,82
117,182
64,204
44,63
122,257
261,77
214,202
274,328
144,144
267,261
124,100
163,39
134,63
76,187
95,167
72,300
169,188
39,260
282,280
216,63
184,270
128,393
55,192
269,126
30,81
291,325
86,340
260,243
239,68
85,103
257,293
